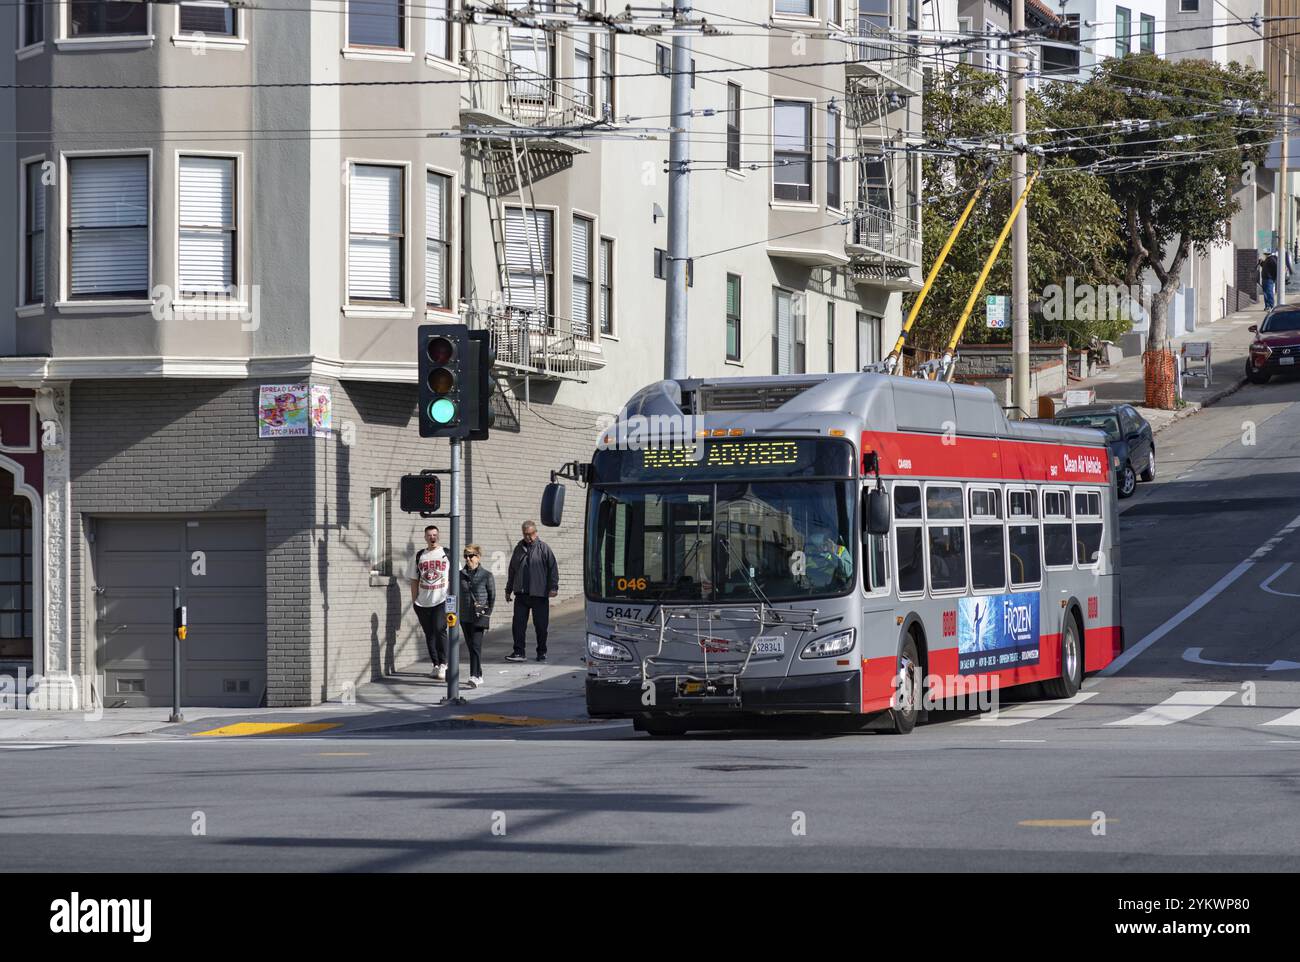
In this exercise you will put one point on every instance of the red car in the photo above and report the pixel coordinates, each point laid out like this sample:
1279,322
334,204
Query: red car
1276,348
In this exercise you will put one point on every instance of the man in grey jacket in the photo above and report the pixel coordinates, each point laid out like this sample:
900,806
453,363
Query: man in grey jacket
533,579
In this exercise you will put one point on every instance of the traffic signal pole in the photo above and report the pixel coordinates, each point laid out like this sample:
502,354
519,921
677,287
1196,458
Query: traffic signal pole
453,583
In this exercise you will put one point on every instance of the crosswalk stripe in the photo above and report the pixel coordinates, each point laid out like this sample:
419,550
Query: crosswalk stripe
1019,714
1290,718
1177,707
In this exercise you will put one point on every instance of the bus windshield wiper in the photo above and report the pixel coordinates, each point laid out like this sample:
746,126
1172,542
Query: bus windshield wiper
744,569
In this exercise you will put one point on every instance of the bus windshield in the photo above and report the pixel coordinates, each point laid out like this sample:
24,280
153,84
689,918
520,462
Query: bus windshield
731,541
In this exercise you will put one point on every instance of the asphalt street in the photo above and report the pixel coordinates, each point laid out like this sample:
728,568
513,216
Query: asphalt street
1185,758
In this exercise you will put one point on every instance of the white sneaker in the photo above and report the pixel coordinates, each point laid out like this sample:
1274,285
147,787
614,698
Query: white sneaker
440,672
476,680
470,682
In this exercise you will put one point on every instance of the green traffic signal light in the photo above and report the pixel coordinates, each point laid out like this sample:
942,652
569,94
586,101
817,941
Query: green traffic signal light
442,410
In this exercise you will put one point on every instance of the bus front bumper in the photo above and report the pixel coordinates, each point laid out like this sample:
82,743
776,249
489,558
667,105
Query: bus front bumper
831,692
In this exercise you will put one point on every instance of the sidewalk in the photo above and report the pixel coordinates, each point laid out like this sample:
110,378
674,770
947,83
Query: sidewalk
513,693
1229,339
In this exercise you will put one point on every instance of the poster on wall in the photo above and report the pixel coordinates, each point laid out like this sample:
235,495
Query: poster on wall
322,411
997,632
283,411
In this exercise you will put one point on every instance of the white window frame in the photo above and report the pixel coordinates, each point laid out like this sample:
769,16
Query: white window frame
738,170
1089,518
237,254
966,25
796,17
1045,519
1009,520
588,86
918,523
113,305
838,136
612,286
23,51
1189,6
607,46
813,186
201,41
363,308
24,304
454,36
403,54
945,523
987,520
452,211
381,527
593,274
126,41
553,290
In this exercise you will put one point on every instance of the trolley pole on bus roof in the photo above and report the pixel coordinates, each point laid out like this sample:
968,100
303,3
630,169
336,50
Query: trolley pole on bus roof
679,182
1020,230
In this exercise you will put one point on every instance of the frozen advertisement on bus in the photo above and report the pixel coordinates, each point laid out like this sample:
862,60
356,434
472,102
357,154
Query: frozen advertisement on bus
997,632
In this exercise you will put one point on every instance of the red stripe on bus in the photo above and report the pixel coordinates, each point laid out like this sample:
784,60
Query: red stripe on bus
1100,648
931,455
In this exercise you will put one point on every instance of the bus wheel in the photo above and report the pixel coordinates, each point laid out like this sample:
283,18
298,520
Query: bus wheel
659,727
1067,686
907,695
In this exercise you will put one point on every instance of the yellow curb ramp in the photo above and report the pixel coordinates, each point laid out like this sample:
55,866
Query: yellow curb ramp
240,729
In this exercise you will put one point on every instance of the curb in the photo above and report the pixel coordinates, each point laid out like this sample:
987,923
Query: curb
1195,406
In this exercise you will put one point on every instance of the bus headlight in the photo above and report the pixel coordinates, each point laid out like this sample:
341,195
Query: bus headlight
602,649
837,644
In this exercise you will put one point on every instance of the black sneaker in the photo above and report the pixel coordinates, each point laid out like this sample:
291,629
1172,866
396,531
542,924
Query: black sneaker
542,659
513,657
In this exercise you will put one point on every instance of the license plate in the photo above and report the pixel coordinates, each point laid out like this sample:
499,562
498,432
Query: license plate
769,646
1286,360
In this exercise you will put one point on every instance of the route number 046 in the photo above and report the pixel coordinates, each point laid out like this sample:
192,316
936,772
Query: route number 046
631,584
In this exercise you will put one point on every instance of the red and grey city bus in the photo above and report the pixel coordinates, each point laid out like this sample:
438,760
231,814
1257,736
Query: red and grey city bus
839,546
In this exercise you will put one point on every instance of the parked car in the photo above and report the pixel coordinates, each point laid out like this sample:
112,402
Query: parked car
1276,347
1128,435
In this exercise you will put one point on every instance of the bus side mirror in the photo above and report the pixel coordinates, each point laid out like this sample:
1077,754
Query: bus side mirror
553,504
875,511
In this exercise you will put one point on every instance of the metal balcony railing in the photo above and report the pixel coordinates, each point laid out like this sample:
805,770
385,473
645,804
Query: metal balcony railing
877,233
872,51
534,342
499,87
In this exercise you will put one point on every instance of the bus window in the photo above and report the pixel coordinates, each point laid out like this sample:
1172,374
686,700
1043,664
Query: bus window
1087,527
1058,533
875,571
911,563
942,502
1022,504
988,556
947,557
907,502
1023,549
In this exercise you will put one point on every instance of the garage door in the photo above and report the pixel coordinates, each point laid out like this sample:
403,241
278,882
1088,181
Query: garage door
220,566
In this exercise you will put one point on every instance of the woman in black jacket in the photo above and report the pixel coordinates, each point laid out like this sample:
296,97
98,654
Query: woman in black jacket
478,596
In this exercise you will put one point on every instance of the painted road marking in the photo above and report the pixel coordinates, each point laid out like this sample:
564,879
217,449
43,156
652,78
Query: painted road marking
341,754
1023,741
1061,822
1273,577
1200,602
1179,706
1019,714
240,729
1290,718
522,721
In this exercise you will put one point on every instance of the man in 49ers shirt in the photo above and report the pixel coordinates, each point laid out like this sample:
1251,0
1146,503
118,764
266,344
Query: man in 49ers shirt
428,574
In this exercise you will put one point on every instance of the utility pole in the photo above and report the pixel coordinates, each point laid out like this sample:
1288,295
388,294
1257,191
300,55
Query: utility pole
1020,229
453,583
1284,193
678,201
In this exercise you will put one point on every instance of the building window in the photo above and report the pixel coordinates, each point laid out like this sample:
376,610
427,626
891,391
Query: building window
1189,6
583,232
868,339
15,572
606,286
107,18
801,8
530,259
211,18
1147,34
966,27
377,23
33,235
108,227
832,158
792,150
437,240
835,11
584,73
733,317
663,60
875,185
733,126
437,29
830,337
1057,60
788,333
33,17
376,236
207,248
381,559
1123,27
605,47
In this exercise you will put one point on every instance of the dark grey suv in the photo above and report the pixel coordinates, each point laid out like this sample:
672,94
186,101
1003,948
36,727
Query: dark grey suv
1128,435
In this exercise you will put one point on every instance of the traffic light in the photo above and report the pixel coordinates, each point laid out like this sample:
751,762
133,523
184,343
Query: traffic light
421,493
478,405
445,374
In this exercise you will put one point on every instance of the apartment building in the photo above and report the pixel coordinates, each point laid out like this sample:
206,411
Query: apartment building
227,223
